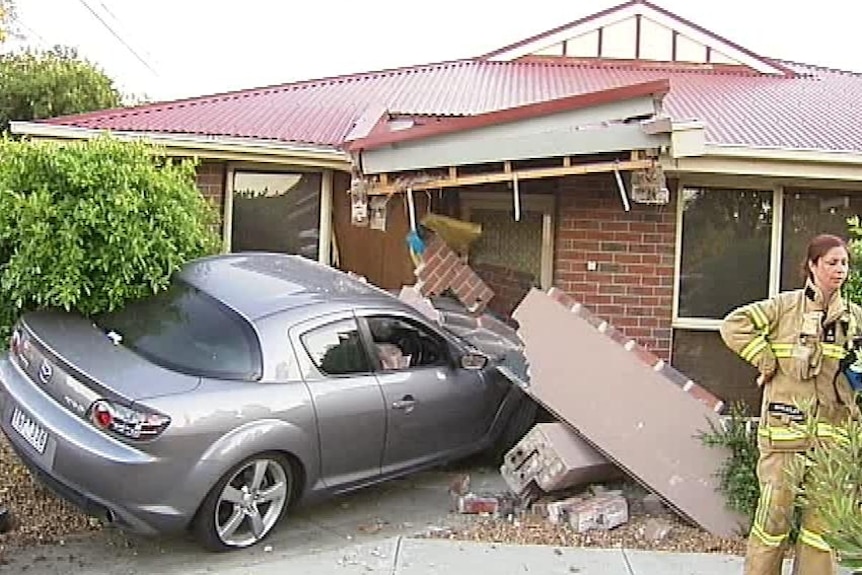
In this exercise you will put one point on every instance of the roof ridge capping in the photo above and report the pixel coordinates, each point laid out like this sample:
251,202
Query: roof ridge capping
651,11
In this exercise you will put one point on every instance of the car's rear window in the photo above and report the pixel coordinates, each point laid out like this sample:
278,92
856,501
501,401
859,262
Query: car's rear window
186,330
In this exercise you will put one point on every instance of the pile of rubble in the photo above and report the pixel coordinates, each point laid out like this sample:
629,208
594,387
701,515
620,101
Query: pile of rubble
563,492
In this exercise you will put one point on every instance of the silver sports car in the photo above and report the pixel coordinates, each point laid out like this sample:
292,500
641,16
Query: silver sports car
253,381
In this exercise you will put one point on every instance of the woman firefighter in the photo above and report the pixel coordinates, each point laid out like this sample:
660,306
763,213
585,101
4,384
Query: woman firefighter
801,342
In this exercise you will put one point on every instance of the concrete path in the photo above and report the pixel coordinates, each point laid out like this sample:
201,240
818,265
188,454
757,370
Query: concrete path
408,556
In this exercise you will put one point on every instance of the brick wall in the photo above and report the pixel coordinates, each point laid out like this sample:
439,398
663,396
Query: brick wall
210,179
509,286
632,287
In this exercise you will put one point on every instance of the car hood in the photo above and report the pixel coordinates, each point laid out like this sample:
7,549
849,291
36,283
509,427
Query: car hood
74,347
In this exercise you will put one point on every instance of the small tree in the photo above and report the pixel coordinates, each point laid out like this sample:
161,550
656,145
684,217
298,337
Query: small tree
38,85
833,487
90,225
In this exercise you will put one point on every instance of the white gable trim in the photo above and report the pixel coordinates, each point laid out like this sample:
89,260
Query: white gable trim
630,11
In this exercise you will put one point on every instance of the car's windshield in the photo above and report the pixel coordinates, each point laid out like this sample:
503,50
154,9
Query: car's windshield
186,330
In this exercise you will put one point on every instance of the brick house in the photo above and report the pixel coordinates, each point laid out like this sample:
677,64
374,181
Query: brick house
547,143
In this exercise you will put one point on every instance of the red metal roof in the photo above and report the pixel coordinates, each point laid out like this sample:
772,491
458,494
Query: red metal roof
816,109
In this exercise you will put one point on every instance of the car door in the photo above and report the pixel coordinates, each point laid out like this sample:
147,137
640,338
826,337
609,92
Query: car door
434,408
349,407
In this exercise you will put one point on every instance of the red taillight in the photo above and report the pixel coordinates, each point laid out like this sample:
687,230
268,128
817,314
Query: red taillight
102,415
127,422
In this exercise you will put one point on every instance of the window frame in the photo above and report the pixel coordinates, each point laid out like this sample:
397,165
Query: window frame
448,346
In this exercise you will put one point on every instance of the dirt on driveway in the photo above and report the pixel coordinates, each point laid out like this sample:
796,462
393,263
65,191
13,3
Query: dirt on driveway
53,538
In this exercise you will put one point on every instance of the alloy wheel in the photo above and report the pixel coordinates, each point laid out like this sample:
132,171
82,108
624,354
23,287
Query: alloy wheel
251,502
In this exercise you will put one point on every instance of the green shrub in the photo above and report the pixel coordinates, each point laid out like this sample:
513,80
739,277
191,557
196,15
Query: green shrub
90,225
738,473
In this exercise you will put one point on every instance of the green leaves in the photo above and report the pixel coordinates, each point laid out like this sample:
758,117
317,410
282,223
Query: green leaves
90,225
737,475
833,487
38,85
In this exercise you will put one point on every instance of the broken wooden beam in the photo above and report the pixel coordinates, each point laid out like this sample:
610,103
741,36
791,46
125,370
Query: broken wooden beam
419,182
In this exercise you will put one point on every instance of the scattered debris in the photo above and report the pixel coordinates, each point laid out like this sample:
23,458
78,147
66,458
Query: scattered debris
553,457
473,504
656,529
620,404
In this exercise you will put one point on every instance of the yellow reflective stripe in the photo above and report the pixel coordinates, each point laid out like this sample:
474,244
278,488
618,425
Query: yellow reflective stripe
766,538
813,540
833,350
754,347
781,433
764,504
757,316
782,349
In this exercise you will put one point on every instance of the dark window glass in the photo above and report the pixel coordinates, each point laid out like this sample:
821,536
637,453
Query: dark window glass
276,212
806,214
400,344
703,356
725,250
336,348
186,330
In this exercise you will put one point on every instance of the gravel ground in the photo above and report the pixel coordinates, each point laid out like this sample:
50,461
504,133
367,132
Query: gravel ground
632,535
41,518
38,516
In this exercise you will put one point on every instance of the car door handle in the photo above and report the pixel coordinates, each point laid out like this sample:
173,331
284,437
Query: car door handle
407,403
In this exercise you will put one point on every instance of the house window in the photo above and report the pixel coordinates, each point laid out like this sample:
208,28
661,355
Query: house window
276,212
724,251
739,246
806,214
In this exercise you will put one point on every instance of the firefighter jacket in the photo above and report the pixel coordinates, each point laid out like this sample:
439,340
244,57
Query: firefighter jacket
798,342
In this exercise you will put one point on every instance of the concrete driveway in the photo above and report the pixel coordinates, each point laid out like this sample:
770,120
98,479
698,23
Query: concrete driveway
406,506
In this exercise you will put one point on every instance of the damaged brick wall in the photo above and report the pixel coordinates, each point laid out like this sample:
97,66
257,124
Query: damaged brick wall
443,269
632,286
509,286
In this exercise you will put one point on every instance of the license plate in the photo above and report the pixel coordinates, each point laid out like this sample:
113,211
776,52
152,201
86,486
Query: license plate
31,431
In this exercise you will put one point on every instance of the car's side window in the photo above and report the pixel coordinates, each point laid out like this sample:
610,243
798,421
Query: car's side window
336,348
400,344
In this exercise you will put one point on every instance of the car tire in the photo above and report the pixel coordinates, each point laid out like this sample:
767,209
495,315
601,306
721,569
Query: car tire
520,422
244,506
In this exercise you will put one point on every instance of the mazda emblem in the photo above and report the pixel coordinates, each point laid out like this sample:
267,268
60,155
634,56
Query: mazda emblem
45,372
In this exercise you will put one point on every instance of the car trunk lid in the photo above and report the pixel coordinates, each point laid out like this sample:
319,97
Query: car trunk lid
76,363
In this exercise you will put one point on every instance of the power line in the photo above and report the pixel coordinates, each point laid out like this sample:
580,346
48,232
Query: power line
118,37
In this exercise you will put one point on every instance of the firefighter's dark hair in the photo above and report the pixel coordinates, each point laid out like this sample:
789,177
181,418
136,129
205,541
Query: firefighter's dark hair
818,247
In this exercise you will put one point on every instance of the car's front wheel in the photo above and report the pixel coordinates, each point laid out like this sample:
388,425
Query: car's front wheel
246,503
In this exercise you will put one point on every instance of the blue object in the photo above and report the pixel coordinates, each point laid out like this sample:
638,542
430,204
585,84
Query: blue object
415,242
854,377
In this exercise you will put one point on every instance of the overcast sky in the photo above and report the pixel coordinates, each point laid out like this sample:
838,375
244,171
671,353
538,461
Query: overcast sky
195,47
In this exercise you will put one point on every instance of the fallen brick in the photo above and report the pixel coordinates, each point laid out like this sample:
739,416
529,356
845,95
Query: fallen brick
605,512
476,504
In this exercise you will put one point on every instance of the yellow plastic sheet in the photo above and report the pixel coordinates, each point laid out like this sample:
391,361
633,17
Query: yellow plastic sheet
457,234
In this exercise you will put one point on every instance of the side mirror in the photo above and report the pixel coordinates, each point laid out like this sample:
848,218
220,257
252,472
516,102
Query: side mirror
473,361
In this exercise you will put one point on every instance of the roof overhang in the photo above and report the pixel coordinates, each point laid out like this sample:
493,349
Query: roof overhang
621,119
213,147
775,164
